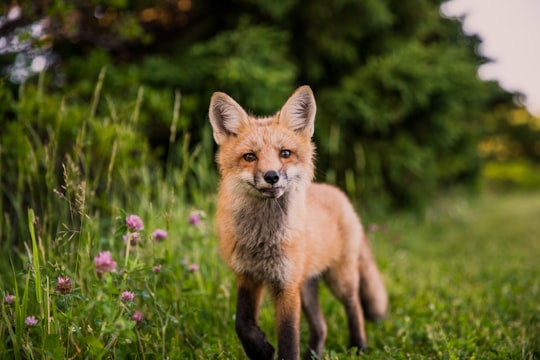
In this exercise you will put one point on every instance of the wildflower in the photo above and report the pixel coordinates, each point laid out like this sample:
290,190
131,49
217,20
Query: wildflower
194,218
127,296
159,235
193,267
63,285
373,227
137,317
134,238
31,321
134,223
9,299
157,268
104,262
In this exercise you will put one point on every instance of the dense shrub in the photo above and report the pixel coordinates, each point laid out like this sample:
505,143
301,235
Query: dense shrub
400,106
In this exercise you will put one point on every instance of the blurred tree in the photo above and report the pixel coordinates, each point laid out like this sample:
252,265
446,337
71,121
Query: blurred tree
401,108
511,134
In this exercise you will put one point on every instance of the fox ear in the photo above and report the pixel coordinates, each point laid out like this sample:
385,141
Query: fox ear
226,116
299,111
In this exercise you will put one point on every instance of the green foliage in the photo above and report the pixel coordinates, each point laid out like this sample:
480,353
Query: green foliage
249,63
77,166
507,175
413,136
60,155
511,134
401,109
511,149
90,316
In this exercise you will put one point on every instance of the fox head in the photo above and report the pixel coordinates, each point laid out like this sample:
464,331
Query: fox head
264,156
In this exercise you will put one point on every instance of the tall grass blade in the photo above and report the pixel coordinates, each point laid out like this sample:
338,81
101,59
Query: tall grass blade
173,132
111,166
97,92
17,323
1,194
12,333
35,259
176,116
136,113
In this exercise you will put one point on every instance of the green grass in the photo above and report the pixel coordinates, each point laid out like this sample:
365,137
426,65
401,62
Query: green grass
463,282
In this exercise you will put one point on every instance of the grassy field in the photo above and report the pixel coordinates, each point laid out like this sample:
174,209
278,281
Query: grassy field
463,281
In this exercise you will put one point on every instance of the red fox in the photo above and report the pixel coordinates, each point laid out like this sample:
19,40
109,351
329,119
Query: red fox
279,230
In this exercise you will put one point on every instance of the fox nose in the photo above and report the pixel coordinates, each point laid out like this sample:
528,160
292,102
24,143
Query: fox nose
271,177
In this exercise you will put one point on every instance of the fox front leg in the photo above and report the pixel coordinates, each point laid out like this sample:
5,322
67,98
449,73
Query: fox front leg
288,308
247,308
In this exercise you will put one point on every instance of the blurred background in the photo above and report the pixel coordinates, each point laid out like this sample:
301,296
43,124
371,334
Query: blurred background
402,112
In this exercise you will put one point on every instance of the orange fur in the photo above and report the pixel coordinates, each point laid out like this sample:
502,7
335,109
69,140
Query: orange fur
278,229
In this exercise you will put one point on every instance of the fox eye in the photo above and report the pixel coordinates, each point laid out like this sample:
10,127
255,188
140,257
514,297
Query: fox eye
285,153
250,157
